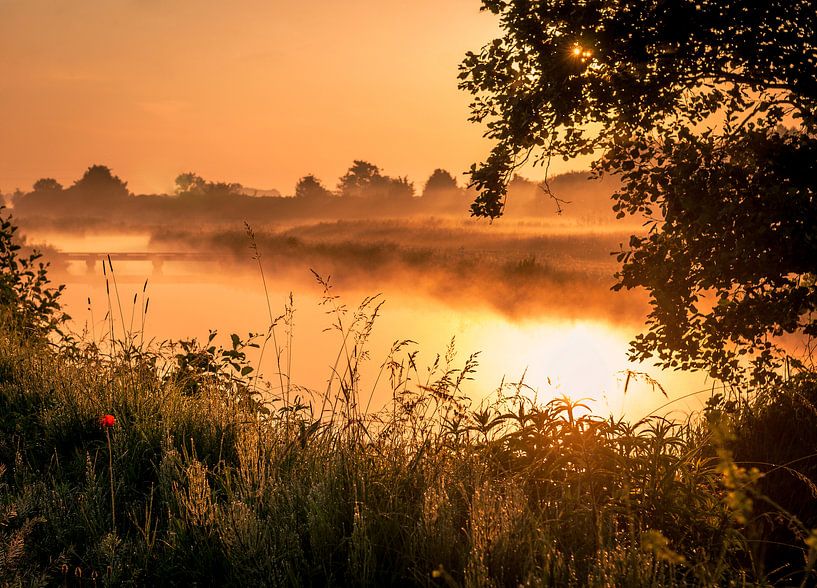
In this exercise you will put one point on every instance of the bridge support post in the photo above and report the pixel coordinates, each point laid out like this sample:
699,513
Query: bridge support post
90,264
158,262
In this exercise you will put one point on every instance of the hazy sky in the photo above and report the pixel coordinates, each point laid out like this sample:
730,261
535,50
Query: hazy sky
255,91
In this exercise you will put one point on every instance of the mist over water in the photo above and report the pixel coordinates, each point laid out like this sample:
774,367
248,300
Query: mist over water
528,293
557,328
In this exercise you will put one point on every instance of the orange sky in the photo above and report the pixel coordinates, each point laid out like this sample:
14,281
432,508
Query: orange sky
255,91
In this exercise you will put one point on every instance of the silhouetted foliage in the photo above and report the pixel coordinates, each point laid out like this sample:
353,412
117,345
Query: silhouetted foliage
400,187
439,182
97,190
311,187
684,102
99,181
226,188
190,183
27,302
361,176
778,434
369,193
47,185
365,180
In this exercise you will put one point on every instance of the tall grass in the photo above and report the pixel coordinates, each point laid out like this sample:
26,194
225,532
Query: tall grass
210,488
216,483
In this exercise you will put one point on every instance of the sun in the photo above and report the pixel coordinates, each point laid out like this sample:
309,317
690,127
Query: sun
577,359
581,53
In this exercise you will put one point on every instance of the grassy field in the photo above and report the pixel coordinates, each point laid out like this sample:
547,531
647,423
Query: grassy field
197,481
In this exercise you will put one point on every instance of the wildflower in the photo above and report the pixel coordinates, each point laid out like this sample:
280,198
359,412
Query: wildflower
106,421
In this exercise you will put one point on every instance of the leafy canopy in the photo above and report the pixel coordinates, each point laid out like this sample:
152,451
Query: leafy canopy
705,110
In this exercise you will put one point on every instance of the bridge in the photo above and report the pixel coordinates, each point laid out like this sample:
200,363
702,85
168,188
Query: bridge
157,258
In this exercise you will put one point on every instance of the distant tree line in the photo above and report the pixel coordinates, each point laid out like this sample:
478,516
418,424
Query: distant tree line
364,190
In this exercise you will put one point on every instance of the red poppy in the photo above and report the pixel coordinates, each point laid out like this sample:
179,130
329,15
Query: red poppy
107,420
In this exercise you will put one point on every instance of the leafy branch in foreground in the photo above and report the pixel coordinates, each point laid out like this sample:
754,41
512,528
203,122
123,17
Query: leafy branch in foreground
707,112
25,296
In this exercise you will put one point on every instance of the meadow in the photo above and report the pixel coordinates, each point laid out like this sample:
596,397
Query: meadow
129,463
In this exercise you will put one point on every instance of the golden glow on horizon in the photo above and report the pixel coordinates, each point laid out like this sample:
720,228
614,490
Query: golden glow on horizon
260,92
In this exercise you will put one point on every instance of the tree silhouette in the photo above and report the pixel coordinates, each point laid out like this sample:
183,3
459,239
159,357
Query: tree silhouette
400,188
47,193
365,180
360,177
100,177
98,183
223,189
190,183
310,187
47,185
685,102
439,182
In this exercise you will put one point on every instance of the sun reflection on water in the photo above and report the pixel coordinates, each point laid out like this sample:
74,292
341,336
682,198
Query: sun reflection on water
578,358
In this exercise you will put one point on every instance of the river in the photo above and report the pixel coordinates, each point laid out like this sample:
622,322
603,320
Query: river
583,357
